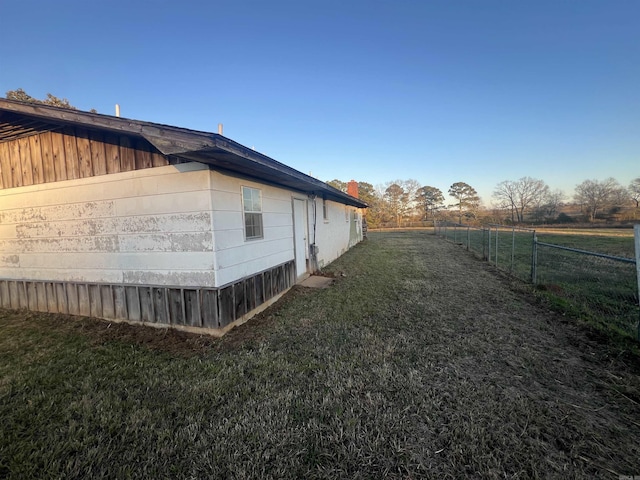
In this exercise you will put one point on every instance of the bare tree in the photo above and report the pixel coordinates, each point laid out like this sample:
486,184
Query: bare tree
430,200
505,194
551,204
521,195
395,197
411,187
467,198
596,196
634,191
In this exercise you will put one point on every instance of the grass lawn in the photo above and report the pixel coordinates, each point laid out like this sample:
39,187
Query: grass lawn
602,292
417,362
614,241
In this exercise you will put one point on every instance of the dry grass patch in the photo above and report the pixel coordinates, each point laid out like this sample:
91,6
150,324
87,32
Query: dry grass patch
419,362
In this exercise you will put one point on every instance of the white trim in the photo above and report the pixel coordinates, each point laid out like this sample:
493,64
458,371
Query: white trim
254,212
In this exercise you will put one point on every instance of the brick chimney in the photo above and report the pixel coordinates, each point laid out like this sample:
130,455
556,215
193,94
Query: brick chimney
352,188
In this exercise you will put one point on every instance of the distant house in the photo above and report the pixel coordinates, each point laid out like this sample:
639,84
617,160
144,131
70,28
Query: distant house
127,220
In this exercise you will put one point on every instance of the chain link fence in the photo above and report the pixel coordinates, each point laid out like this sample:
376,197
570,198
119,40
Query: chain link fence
508,248
422,224
599,286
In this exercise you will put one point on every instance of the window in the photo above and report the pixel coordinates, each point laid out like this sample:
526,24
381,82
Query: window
325,210
252,206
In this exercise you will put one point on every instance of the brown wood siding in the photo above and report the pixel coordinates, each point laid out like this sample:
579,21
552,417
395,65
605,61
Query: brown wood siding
16,169
112,153
47,157
143,155
5,164
25,161
72,153
98,157
59,163
84,153
127,155
157,159
36,159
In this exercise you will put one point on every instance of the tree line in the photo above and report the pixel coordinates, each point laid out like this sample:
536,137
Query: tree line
400,201
526,200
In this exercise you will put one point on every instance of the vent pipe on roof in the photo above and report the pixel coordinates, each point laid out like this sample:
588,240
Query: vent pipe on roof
117,110
219,129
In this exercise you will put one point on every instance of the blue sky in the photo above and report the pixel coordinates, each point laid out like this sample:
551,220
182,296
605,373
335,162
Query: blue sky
440,91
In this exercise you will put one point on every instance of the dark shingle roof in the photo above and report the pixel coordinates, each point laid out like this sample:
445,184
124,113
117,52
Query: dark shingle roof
19,119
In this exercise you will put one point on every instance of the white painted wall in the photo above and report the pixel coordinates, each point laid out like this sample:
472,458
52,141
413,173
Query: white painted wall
174,225
150,226
236,257
339,232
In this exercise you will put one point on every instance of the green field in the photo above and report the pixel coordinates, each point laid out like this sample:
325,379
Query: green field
617,242
602,290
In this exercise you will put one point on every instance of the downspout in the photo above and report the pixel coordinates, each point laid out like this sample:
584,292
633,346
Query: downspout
313,248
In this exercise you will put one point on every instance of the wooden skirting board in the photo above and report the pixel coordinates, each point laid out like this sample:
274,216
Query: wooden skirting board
186,308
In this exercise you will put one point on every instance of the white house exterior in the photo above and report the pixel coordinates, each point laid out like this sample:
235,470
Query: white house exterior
140,222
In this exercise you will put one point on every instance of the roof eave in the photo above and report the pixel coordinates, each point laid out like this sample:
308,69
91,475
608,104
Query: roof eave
205,147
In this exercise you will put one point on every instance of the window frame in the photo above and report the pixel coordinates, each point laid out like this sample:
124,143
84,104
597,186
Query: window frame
249,211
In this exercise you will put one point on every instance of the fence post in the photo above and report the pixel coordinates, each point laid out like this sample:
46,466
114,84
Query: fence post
534,259
496,245
468,237
489,244
636,236
484,246
513,247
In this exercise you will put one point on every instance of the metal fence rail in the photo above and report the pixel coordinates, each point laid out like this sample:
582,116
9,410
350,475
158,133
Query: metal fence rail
508,248
511,249
600,286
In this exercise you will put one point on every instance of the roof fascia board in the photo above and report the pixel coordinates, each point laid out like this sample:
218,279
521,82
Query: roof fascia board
240,150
